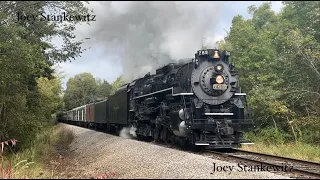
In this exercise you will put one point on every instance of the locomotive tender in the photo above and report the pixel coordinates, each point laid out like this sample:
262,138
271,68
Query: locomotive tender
197,101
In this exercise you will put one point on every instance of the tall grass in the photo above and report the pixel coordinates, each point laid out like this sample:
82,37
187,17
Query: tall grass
296,150
272,141
35,161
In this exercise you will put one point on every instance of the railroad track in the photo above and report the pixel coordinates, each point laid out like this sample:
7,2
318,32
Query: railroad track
295,167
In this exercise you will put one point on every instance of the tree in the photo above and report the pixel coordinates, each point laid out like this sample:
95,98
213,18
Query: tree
36,31
304,14
81,90
277,56
116,84
50,96
25,56
103,89
84,88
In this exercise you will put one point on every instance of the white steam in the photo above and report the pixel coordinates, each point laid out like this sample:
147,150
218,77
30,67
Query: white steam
147,35
128,133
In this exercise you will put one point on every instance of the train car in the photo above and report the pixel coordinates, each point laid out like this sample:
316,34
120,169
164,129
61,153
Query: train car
69,116
79,115
101,113
118,108
76,116
90,113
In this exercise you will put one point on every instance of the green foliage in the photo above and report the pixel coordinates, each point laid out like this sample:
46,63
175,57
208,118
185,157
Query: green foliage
305,14
299,150
38,30
268,136
278,58
83,88
116,84
103,89
308,129
29,91
33,161
50,96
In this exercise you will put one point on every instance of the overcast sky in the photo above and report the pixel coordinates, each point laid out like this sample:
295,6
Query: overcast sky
126,34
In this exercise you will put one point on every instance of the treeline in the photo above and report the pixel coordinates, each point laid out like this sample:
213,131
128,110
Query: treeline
30,90
278,59
83,89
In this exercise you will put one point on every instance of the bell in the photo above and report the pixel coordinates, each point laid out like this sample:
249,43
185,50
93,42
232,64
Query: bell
216,55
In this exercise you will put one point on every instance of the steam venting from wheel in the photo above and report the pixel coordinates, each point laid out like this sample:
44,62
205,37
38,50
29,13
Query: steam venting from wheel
183,116
183,128
128,133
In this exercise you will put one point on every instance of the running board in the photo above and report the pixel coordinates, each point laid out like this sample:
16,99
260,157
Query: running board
240,94
218,114
183,94
202,144
247,143
168,89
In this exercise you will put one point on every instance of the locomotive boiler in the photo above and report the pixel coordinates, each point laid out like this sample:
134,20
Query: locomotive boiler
197,101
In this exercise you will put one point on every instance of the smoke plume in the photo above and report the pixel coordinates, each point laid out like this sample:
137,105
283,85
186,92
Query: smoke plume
128,133
147,35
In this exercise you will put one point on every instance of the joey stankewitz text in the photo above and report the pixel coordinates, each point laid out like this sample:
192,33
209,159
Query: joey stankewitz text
63,17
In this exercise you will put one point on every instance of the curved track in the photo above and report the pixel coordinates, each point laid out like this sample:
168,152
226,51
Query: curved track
297,168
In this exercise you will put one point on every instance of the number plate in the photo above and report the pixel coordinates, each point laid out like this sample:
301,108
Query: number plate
220,86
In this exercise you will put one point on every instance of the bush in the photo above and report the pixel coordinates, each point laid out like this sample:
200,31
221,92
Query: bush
308,129
30,162
268,136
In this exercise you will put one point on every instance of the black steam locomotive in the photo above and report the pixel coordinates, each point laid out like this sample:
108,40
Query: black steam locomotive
197,102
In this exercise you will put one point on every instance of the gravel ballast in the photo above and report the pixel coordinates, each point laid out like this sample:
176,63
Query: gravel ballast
97,153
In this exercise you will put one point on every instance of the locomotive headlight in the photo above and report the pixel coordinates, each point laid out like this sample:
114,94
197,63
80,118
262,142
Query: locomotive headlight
219,67
219,79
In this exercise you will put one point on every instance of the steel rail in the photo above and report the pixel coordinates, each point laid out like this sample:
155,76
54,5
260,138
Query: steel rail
287,160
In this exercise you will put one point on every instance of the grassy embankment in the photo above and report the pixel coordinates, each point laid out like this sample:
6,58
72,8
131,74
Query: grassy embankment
38,161
297,150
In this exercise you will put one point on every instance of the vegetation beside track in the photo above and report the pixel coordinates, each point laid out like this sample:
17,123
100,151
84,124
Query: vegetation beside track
40,160
278,146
